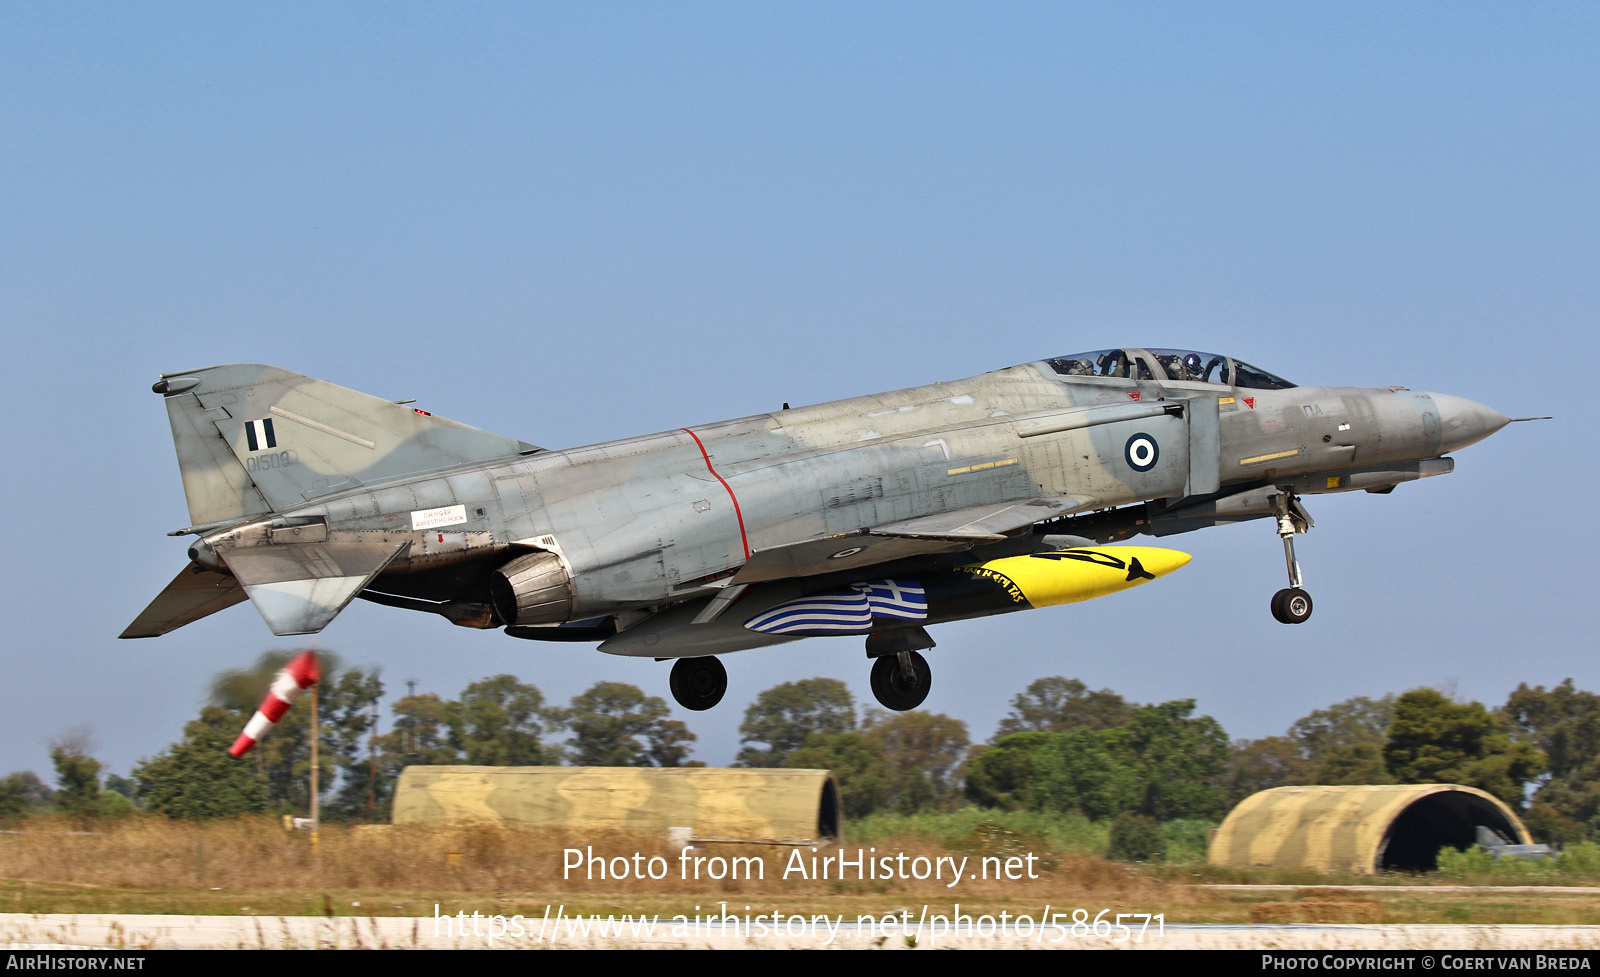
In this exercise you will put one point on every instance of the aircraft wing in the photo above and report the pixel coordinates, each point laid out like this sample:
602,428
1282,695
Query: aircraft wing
192,594
845,552
985,522
300,587
944,532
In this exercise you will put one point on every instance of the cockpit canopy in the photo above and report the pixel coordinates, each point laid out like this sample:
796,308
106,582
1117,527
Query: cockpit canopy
1183,365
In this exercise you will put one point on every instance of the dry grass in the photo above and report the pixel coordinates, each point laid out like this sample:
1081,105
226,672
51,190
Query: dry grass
1326,909
255,863
256,867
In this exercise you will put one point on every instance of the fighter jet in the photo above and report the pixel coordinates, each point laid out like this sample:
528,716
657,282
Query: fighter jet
875,516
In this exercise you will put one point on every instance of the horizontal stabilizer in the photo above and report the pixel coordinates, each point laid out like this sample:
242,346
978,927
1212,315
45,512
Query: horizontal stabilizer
299,587
194,593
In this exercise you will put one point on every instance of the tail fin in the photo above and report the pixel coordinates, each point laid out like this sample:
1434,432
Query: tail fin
255,439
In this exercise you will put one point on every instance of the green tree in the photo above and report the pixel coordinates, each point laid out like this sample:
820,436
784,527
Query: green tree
13,798
421,733
1057,704
1342,744
858,764
1353,763
614,724
1182,760
347,713
25,793
1257,765
926,752
1136,838
77,777
783,716
419,736
500,722
1043,771
1550,826
122,785
1356,720
671,743
1433,740
196,778
1018,772
1162,763
1564,724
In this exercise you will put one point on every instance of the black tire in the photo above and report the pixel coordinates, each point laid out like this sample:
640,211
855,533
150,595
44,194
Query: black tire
891,687
698,683
1291,606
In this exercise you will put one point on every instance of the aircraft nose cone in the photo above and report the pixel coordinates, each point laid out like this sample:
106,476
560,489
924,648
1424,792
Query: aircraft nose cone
1463,422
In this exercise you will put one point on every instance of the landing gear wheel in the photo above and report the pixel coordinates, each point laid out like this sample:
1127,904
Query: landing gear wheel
1291,606
698,683
894,688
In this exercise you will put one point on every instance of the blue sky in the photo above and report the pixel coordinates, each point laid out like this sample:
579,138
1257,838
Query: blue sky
575,222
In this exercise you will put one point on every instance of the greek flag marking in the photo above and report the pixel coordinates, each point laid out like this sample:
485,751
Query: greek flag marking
847,612
259,434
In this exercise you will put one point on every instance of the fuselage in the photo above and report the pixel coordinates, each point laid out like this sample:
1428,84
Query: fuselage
655,520
876,516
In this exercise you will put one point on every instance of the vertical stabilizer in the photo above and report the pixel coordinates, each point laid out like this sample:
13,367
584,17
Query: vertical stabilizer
255,439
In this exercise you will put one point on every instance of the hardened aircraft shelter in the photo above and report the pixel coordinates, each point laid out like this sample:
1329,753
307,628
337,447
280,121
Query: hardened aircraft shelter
712,802
1359,829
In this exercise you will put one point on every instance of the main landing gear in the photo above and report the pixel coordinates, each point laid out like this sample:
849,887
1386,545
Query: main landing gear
900,682
901,677
1291,605
698,683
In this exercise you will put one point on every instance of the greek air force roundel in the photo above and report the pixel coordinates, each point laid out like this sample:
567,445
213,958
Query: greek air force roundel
1141,452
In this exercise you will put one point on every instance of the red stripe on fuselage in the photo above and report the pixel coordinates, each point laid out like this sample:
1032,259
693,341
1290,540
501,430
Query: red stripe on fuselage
743,540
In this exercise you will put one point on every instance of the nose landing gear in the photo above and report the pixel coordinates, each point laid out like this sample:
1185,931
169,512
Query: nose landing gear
1291,605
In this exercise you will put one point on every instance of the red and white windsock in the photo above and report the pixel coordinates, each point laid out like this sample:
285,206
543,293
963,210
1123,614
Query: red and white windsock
300,674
